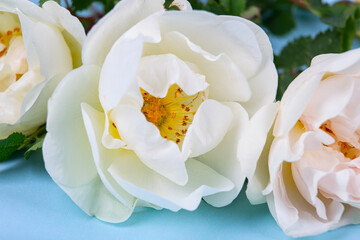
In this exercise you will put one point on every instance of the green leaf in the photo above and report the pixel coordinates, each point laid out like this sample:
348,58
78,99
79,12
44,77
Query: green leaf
196,4
41,2
300,52
279,18
348,34
81,4
234,7
37,145
9,145
335,15
215,7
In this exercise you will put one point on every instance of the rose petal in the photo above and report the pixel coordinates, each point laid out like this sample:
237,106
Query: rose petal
331,97
146,184
74,33
233,85
210,124
66,149
94,124
158,72
217,36
104,34
252,154
295,99
223,158
53,53
118,72
144,138
94,199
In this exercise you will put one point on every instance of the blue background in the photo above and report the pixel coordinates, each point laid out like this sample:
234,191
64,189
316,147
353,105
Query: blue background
32,206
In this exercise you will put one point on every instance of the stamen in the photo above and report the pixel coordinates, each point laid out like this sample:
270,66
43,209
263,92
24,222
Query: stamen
173,114
346,148
5,39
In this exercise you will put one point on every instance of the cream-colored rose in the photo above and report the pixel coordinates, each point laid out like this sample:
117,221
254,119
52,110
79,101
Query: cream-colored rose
38,46
314,161
156,114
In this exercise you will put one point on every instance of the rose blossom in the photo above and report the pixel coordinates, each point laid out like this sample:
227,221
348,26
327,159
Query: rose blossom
314,159
155,116
38,46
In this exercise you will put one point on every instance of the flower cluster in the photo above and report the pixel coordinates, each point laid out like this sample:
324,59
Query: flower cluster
161,109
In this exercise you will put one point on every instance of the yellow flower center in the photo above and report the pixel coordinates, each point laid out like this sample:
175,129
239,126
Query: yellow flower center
173,114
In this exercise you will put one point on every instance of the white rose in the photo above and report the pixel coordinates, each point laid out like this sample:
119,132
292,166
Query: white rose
314,159
155,115
38,46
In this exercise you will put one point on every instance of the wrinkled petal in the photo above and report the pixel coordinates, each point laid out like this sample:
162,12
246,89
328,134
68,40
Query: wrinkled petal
233,85
140,181
217,36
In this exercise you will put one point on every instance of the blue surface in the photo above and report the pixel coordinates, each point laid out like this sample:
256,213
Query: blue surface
32,206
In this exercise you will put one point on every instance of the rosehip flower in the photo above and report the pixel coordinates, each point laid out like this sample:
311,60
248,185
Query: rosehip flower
38,46
155,115
314,159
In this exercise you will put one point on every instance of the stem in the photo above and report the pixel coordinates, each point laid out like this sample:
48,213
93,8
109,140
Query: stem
67,4
41,131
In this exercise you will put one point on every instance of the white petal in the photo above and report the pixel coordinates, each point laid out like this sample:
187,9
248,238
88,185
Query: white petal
94,199
34,105
252,154
216,35
233,85
104,34
118,72
52,50
210,124
263,87
223,158
144,138
27,8
66,150
295,99
74,33
27,26
264,83
94,124
329,100
343,63
146,184
158,72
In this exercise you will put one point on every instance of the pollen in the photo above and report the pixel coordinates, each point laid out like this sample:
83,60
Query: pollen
173,114
348,149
